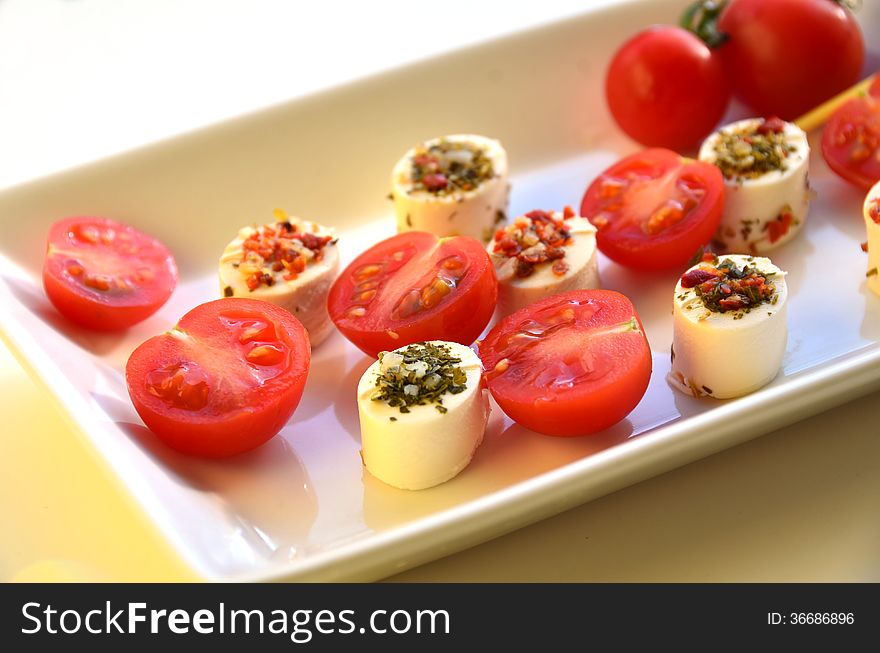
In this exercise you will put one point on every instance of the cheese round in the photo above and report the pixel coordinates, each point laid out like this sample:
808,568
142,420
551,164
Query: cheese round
452,211
423,447
872,225
581,270
763,212
732,353
305,296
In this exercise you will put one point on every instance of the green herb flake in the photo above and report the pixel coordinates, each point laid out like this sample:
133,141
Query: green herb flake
419,375
445,167
751,152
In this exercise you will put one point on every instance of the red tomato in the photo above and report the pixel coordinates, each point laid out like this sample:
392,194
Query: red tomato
851,140
415,287
105,275
571,364
786,57
224,380
666,88
654,209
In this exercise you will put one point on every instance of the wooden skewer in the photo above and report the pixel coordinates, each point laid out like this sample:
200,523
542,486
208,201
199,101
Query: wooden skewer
818,116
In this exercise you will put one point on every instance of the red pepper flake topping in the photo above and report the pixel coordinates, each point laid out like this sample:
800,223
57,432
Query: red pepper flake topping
695,277
534,238
448,166
277,251
724,286
774,125
865,246
780,226
874,210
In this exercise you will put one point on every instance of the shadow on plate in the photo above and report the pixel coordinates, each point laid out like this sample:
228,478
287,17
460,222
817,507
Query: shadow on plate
345,401
324,373
509,454
267,489
34,299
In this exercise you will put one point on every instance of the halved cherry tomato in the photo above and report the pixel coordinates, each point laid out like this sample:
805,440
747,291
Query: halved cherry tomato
415,287
105,275
571,364
654,209
851,140
224,380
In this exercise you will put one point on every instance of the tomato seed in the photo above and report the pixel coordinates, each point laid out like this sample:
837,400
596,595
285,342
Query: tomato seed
611,188
434,292
367,271
408,305
181,385
265,355
860,153
97,281
369,284
664,217
256,330
88,234
453,263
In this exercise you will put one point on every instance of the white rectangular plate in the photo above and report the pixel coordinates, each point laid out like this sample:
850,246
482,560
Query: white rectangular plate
301,507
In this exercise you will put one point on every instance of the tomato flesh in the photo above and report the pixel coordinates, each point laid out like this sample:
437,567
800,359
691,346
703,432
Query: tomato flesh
666,88
415,287
851,140
105,275
224,380
654,209
568,365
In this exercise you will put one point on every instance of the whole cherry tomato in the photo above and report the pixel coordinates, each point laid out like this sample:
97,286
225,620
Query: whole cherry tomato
666,88
785,57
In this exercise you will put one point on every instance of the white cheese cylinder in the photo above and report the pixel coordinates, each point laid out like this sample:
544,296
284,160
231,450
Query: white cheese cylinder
305,297
423,448
872,226
752,205
516,292
471,213
730,354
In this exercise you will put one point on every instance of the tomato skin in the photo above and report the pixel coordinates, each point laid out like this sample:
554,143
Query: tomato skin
666,88
237,413
624,238
623,365
105,310
459,317
786,57
851,139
